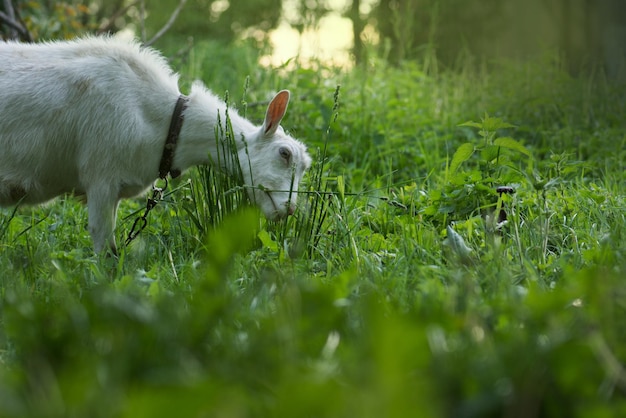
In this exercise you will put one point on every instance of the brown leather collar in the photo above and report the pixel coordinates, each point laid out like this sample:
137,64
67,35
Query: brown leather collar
176,124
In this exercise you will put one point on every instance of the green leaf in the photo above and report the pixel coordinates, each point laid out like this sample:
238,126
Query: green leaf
472,124
510,143
462,154
341,187
223,247
456,242
490,152
267,241
492,124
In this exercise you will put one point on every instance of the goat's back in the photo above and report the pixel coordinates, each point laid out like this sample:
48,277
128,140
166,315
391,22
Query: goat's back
73,112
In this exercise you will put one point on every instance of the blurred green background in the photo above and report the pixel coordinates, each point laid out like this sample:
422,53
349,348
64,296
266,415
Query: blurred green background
589,35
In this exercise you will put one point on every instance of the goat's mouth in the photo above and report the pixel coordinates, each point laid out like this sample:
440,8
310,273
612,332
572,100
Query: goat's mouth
280,211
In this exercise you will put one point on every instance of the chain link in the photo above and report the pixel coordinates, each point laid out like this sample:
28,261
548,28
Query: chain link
142,221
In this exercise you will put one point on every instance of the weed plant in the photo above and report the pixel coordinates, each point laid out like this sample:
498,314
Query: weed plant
458,250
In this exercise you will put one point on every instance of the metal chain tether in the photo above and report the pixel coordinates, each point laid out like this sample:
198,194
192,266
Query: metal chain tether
142,221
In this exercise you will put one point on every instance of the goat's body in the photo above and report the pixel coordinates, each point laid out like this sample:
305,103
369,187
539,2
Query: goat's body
91,117
54,96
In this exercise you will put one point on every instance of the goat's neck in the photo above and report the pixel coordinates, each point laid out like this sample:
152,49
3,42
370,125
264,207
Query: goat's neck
205,117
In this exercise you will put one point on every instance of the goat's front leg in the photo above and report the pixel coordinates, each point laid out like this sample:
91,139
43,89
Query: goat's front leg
102,201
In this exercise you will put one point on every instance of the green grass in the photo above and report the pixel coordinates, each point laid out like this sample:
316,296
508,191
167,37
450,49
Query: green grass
359,305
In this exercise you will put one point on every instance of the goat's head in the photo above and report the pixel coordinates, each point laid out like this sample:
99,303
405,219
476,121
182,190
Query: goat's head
274,163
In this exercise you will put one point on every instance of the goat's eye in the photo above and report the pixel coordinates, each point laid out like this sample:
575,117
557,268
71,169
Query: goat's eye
285,153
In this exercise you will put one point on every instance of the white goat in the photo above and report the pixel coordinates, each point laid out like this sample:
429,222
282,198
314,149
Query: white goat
91,117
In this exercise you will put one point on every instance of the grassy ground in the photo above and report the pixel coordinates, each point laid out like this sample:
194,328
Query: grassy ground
395,291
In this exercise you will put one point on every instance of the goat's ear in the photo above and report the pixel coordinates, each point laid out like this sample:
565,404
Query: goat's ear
275,112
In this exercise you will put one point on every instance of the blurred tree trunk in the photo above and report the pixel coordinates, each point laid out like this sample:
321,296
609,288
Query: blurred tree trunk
385,21
592,35
357,29
612,15
565,32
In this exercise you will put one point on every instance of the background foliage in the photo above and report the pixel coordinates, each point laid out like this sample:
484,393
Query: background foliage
589,36
397,287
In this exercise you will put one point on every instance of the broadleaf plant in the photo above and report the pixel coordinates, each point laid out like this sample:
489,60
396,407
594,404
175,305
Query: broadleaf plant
477,168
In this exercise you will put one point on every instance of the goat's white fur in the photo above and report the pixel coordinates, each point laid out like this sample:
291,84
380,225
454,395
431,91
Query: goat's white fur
91,116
